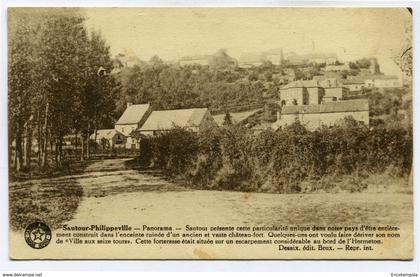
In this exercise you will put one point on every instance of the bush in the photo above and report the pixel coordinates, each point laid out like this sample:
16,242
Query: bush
287,161
173,151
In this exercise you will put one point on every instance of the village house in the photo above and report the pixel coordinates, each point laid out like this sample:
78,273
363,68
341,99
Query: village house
333,90
133,118
318,103
325,114
109,138
301,93
194,120
354,84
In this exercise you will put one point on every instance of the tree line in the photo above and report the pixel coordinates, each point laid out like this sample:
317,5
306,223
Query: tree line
59,84
170,86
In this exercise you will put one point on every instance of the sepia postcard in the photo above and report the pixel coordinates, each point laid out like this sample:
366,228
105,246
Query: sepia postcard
210,133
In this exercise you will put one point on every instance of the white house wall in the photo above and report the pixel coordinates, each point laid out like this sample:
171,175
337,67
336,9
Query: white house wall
126,129
314,121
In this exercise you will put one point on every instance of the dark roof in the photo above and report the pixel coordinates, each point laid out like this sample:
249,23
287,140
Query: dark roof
329,107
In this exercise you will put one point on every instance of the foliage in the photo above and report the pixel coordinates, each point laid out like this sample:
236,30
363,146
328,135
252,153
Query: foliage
172,87
53,201
55,85
404,57
389,107
233,158
221,60
227,120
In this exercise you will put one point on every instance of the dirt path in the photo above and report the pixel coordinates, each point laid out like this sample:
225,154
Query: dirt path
128,196
109,192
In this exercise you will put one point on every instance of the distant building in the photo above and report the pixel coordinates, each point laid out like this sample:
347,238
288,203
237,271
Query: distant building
109,138
195,60
319,102
249,60
133,118
383,81
275,56
325,114
354,84
192,119
334,67
219,59
319,58
301,93
249,65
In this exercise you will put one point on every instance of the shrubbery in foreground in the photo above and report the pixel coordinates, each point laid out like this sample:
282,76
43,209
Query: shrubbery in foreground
289,160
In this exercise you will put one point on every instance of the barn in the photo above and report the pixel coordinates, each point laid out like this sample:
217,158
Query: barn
191,119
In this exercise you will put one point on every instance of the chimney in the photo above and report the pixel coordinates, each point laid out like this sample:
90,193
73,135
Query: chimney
129,104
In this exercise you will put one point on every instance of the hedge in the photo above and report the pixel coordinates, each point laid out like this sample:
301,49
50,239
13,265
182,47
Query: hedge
233,158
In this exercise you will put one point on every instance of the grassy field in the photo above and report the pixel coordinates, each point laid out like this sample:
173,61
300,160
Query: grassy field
52,201
109,192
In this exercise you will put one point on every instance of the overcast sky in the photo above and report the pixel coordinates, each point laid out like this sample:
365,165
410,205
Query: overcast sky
175,32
